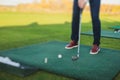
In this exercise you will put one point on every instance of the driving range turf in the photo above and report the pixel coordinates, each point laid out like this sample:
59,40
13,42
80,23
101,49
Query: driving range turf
21,29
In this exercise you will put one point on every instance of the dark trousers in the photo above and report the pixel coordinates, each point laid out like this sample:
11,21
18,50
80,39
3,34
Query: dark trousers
94,8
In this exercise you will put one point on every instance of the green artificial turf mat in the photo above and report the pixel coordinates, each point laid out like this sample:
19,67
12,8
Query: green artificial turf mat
104,66
107,34
115,27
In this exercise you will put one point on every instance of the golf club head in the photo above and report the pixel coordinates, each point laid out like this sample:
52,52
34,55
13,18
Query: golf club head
74,58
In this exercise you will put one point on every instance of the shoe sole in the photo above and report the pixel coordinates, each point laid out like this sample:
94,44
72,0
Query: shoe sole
71,47
95,52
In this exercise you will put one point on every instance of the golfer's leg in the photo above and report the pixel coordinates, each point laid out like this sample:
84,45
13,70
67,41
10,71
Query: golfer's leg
75,21
95,9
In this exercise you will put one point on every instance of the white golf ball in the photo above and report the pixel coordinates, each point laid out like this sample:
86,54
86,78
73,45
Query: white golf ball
46,60
115,31
59,56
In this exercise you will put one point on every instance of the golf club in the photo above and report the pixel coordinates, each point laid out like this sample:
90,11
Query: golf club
78,50
81,10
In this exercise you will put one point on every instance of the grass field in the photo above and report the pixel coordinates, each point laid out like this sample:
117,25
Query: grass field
21,29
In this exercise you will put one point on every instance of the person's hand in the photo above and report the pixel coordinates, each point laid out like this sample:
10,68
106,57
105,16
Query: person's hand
82,3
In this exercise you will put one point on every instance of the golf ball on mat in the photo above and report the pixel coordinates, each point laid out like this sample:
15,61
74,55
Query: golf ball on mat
115,31
59,56
46,60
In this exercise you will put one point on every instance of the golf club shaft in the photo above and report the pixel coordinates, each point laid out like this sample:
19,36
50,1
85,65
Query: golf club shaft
79,33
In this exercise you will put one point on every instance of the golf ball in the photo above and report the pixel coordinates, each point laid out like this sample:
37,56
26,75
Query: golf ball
59,56
115,31
46,60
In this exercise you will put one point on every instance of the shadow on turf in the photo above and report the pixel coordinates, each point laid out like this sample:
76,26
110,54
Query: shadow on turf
105,25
